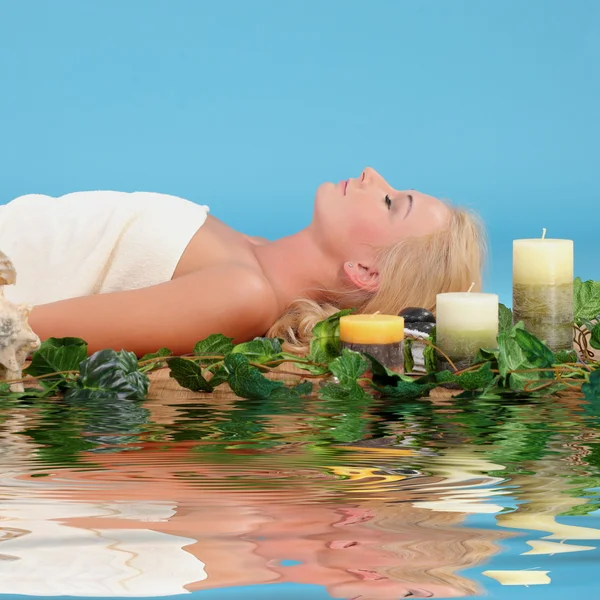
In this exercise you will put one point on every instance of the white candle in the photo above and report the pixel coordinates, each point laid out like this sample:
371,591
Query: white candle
466,322
543,289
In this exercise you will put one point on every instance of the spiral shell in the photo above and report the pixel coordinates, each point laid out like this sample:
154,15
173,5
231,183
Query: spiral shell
8,275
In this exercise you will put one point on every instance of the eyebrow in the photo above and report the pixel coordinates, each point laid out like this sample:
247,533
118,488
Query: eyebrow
410,205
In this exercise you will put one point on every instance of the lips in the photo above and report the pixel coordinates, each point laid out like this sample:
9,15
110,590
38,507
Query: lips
344,185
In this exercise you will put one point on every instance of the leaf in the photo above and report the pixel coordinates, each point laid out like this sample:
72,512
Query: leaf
292,393
536,352
112,373
383,376
477,380
219,376
214,345
430,355
189,375
484,355
333,392
591,390
586,300
55,355
348,367
325,341
505,318
512,358
259,350
29,393
565,356
159,354
405,390
409,361
595,337
247,381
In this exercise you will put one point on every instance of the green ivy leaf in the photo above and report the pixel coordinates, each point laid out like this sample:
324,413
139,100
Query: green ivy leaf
325,341
537,353
409,361
348,367
383,376
595,337
505,319
260,350
220,375
214,345
29,393
111,373
352,393
510,356
292,393
476,380
161,353
247,381
591,390
565,356
189,375
586,298
405,390
484,355
430,353
57,354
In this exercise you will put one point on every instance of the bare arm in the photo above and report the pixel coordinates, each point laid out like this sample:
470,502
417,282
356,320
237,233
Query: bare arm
231,300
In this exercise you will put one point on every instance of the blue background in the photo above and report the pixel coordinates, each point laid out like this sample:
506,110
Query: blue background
248,106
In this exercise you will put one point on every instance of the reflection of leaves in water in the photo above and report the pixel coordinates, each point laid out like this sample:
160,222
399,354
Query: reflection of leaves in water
66,428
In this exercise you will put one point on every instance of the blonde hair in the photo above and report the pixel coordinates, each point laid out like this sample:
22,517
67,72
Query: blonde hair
411,273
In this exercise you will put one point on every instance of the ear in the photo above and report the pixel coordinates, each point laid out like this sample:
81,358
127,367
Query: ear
362,276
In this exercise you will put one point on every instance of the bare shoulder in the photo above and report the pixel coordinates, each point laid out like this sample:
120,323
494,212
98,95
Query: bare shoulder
233,299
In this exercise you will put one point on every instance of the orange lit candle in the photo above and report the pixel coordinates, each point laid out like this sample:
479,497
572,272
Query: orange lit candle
381,336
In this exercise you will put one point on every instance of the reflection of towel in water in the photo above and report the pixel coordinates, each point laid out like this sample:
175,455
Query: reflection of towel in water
47,555
94,242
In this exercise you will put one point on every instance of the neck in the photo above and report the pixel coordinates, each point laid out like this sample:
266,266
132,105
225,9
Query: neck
297,267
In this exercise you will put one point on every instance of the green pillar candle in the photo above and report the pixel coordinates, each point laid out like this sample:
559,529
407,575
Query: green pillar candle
543,289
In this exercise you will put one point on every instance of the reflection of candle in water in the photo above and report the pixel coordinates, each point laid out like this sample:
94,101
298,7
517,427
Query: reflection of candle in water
381,336
543,289
523,577
465,322
550,548
544,522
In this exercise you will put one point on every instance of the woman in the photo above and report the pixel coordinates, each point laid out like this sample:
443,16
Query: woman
143,271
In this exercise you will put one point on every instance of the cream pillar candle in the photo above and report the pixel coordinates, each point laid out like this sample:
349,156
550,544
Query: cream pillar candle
543,289
465,322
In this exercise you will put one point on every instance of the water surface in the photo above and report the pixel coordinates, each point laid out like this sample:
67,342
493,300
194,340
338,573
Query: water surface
228,498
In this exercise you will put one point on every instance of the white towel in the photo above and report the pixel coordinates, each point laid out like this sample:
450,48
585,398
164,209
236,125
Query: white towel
94,242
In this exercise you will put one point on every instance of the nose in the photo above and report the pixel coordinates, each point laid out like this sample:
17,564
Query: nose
371,176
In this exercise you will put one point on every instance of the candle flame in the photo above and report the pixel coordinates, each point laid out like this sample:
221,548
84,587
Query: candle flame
472,286
543,233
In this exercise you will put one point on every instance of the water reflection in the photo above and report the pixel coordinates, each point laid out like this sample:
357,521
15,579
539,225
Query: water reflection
430,499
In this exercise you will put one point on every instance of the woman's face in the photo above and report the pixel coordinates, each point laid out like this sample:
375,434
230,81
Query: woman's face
355,217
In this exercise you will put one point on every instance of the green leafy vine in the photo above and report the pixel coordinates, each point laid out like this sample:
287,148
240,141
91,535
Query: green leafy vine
521,366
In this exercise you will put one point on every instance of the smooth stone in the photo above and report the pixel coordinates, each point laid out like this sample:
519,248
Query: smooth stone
421,326
414,314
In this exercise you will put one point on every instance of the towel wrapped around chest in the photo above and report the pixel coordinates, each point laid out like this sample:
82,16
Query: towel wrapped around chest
94,242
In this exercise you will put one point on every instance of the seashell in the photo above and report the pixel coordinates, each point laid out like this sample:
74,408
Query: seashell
8,275
17,339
